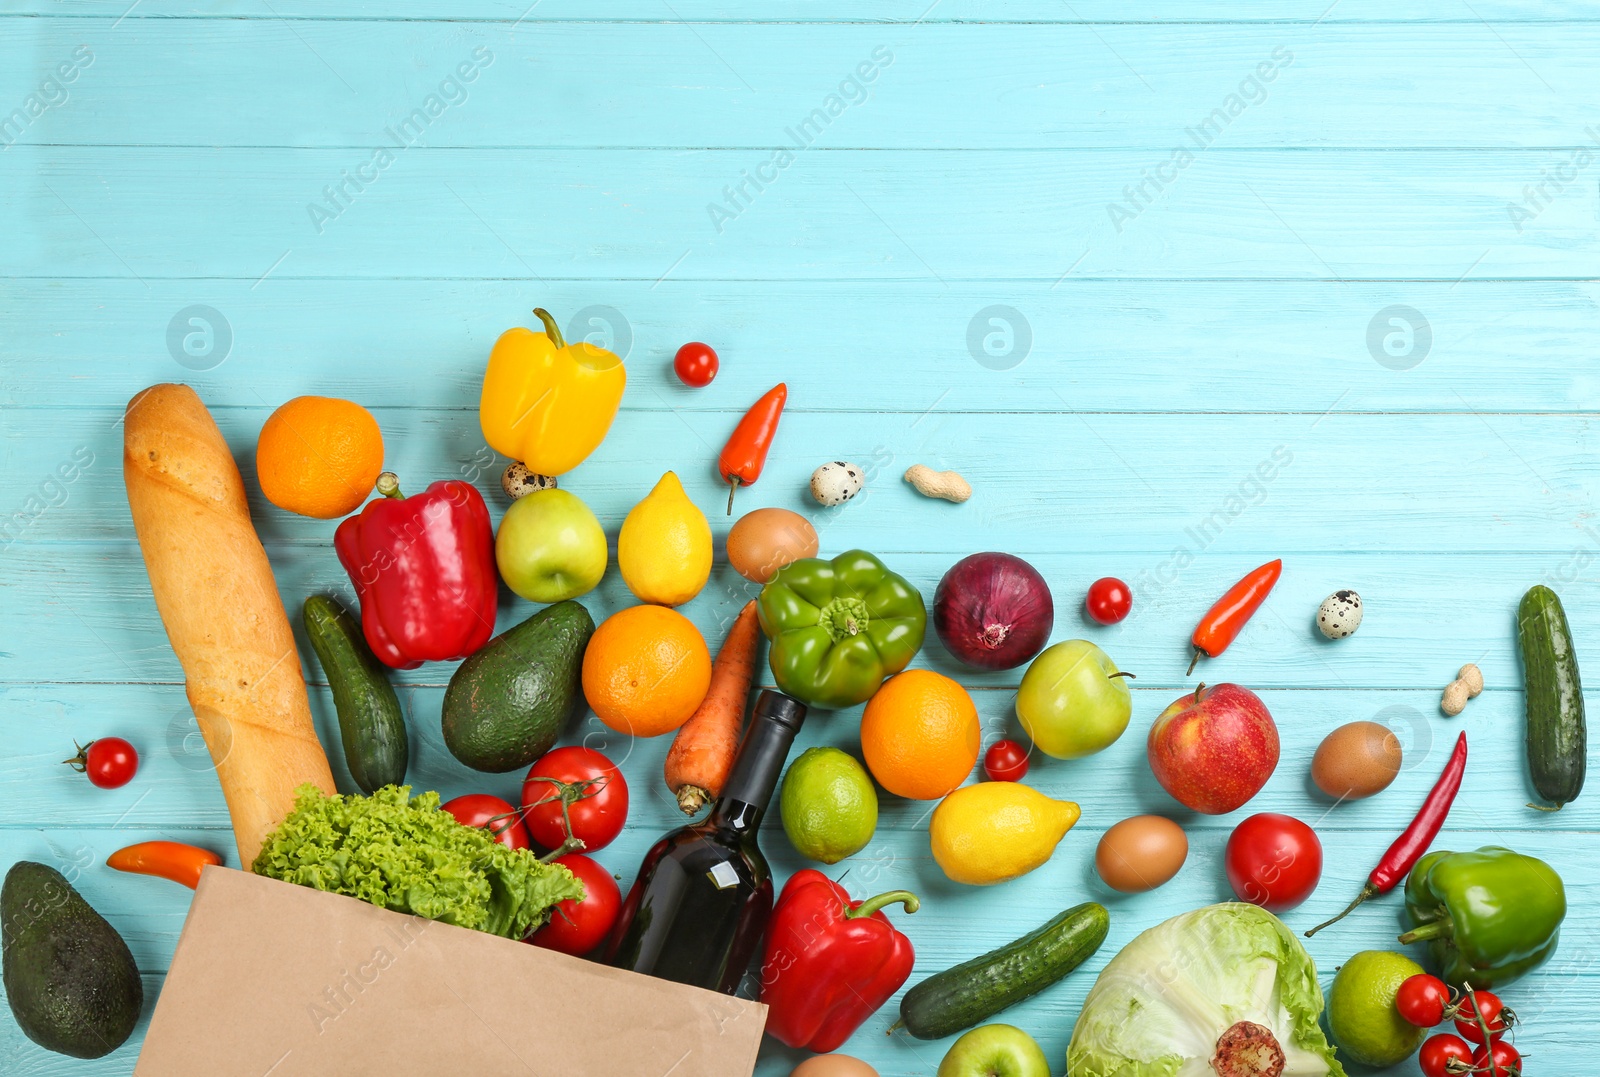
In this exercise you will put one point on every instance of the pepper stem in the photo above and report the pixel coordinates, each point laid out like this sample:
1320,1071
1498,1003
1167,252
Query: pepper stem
389,486
1367,891
733,484
1433,929
551,329
1193,662
873,904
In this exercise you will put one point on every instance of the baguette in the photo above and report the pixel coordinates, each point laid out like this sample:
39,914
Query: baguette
220,606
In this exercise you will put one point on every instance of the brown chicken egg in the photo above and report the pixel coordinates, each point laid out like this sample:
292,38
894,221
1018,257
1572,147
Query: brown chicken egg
833,1066
1141,853
764,540
1356,760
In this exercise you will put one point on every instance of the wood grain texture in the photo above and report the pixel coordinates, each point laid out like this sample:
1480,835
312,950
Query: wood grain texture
1169,354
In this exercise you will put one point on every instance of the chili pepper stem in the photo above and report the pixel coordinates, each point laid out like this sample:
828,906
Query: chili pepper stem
1198,654
551,330
733,484
1367,891
388,485
1433,929
873,904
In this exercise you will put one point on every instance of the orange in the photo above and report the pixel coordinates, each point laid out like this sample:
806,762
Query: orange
920,734
646,670
319,456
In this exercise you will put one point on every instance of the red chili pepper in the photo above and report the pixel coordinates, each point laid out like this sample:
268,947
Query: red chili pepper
742,459
164,859
830,962
1410,845
1227,616
424,569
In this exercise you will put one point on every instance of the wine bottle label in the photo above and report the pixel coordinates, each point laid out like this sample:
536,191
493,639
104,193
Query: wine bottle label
723,875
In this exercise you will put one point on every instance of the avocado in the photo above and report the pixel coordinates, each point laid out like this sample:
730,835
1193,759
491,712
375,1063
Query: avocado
71,982
507,704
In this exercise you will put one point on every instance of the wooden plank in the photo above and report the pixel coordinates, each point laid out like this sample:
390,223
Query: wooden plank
1081,346
648,215
344,84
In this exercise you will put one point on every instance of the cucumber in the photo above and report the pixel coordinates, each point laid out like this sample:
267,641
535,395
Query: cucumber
371,724
1558,742
960,997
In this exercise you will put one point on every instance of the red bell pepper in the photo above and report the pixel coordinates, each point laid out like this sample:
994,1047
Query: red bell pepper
424,570
830,962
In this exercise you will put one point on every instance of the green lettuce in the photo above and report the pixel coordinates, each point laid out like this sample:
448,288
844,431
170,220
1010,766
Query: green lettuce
1160,1006
407,855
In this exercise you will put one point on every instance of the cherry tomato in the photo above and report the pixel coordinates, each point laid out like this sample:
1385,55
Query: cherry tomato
1422,1000
1274,861
695,364
576,927
1498,1060
1494,1014
109,762
493,814
1109,600
1437,1053
1005,761
588,785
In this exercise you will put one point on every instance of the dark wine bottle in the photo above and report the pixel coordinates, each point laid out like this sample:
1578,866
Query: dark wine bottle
703,895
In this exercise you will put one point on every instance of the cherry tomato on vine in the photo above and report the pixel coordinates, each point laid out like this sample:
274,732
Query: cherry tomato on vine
576,927
1005,761
493,814
1499,1060
1494,1014
590,788
695,364
1274,861
1109,600
1439,1051
1422,1000
108,762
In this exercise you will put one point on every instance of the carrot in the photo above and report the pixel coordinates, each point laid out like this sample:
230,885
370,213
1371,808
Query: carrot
702,752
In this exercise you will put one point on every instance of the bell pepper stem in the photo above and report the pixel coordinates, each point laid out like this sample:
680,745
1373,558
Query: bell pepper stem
551,329
873,904
1367,891
1433,929
388,485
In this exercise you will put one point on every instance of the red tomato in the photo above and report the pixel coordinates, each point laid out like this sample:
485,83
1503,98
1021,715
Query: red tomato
491,813
1494,1013
1274,861
1422,1000
1437,1053
588,785
576,927
695,364
1499,1060
109,762
1005,761
1109,600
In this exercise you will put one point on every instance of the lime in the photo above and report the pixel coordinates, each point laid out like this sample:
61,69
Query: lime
829,807
1366,1027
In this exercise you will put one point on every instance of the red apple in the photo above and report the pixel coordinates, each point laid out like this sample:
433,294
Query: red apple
1214,748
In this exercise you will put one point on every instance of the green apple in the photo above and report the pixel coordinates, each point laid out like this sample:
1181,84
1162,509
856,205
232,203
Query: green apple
995,1051
550,547
1073,700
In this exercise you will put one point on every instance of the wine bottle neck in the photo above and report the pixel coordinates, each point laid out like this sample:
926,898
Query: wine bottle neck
759,764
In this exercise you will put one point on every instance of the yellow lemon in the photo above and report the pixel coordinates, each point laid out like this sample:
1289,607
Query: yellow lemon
664,550
988,833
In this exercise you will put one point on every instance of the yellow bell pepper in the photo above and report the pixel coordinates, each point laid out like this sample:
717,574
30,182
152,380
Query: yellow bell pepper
548,403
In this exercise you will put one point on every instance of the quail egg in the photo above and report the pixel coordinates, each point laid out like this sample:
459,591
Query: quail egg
836,482
519,481
1340,614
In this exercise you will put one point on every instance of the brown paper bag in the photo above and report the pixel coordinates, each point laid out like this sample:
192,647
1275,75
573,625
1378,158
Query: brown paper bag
275,979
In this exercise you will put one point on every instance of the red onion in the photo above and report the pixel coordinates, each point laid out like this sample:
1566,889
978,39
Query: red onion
993,611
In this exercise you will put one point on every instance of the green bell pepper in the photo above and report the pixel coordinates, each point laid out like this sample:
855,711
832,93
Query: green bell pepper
839,627
1487,917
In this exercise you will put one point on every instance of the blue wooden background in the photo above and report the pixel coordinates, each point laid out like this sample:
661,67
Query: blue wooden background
1176,307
